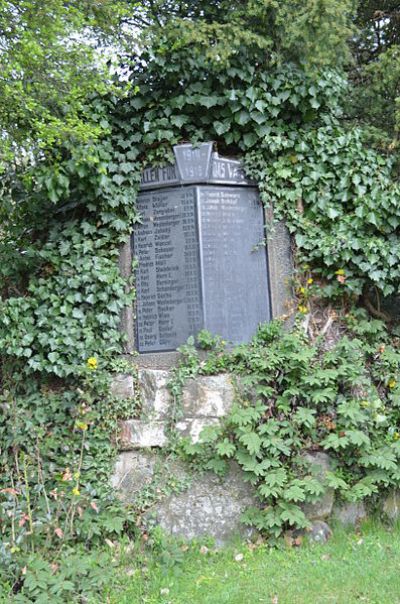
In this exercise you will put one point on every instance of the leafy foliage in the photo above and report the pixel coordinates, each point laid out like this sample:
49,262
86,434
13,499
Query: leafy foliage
56,459
49,65
292,397
340,200
374,101
260,79
80,273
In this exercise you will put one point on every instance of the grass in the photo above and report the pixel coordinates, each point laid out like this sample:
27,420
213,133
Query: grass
351,568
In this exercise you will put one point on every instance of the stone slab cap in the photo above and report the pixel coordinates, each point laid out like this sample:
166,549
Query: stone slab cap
138,434
133,470
208,396
155,396
122,386
193,426
195,164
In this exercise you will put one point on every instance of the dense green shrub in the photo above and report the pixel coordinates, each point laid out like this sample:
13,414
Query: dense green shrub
293,396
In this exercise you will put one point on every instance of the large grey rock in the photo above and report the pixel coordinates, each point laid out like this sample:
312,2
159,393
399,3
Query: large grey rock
155,396
319,532
147,475
122,386
210,507
245,390
208,396
133,471
350,514
193,426
137,434
319,464
391,505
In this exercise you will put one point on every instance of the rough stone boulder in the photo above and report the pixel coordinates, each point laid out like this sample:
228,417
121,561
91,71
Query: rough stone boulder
155,396
134,470
319,464
391,505
349,514
138,434
205,401
210,507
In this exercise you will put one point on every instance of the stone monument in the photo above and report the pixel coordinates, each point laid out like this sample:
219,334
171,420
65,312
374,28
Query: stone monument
201,259
204,260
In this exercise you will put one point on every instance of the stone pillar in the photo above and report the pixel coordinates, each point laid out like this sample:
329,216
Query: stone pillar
127,325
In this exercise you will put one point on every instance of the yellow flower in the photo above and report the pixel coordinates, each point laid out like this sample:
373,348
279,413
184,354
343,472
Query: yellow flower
340,271
392,383
302,309
302,290
81,426
396,436
76,491
92,363
310,281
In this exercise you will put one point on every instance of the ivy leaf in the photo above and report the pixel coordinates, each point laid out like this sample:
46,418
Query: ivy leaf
208,101
242,117
222,127
250,139
179,120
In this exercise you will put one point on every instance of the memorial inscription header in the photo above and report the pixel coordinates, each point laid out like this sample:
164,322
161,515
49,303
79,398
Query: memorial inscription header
200,262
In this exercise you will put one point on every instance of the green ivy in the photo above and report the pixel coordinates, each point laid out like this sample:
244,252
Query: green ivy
71,309
341,202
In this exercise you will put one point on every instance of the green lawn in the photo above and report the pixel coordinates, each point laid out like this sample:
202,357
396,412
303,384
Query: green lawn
351,568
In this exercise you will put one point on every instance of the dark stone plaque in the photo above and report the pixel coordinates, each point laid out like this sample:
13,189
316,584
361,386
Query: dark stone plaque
193,162
194,165
200,262
166,244
234,264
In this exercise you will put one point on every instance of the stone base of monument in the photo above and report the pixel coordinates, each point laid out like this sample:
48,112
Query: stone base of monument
183,501
205,400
